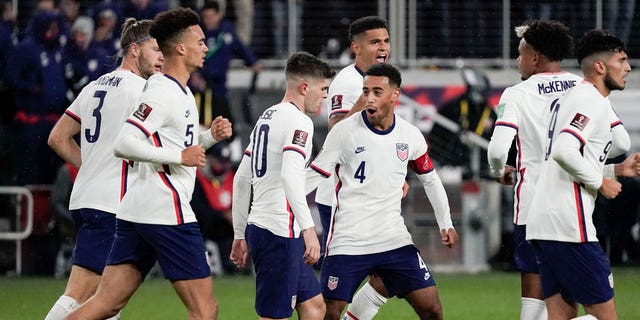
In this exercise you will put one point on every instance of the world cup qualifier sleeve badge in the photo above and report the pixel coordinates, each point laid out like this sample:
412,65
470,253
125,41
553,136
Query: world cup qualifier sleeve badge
332,283
402,150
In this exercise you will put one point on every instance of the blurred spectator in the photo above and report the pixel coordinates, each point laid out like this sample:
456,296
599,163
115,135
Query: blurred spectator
107,33
64,228
85,60
35,75
223,44
8,39
211,200
242,16
70,10
144,9
619,17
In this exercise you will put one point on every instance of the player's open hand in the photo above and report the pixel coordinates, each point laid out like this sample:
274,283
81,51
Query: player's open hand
508,177
610,188
449,237
193,156
221,128
239,253
312,246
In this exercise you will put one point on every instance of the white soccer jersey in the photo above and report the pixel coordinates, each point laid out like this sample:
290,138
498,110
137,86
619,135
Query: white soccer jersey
371,167
570,175
344,91
101,109
521,112
279,148
168,118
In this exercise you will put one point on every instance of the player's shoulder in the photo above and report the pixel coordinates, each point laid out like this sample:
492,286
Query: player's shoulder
349,75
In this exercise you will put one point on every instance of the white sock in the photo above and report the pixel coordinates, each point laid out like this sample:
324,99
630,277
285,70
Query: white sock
586,317
62,308
365,305
532,309
116,317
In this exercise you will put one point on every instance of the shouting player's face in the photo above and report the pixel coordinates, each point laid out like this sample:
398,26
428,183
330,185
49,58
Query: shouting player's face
380,98
150,58
617,69
370,47
317,91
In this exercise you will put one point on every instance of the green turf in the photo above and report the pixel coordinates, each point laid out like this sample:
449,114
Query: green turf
492,295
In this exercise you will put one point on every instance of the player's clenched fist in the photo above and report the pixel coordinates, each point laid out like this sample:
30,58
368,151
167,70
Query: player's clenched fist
221,128
193,156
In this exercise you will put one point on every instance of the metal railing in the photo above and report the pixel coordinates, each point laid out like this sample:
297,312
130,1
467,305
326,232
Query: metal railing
20,234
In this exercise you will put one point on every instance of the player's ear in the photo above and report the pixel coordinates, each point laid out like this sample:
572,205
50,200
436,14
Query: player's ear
180,49
599,66
303,87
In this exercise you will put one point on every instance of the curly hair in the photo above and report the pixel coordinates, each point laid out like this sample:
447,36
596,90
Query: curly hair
169,25
550,38
598,41
385,70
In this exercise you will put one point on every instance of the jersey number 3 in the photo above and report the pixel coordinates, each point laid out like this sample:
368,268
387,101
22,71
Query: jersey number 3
91,138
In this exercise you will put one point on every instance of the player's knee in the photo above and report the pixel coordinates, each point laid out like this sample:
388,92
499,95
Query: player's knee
378,285
431,310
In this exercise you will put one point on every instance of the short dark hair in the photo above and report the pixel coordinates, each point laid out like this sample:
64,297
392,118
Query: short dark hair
385,70
168,25
214,5
303,64
598,41
363,24
134,31
551,38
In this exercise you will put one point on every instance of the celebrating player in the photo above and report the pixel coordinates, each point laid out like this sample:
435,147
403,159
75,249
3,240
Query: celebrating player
369,154
573,267
98,114
279,147
155,221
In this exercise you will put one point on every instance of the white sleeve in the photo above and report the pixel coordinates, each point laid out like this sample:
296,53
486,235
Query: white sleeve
323,165
499,146
206,139
292,176
133,144
621,143
566,152
241,198
438,198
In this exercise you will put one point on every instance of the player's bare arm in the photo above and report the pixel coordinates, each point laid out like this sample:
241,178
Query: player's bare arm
193,156
630,167
357,107
61,140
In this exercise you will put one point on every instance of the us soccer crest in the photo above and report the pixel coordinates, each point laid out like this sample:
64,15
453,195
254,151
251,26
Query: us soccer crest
402,150
332,283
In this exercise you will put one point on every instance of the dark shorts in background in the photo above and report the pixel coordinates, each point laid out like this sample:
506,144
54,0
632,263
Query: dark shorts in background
95,231
524,256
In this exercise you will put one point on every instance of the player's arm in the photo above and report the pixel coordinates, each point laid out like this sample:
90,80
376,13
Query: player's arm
433,187
337,117
241,202
621,142
221,129
323,165
505,129
61,138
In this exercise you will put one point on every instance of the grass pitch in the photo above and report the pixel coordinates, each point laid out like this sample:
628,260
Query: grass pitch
491,295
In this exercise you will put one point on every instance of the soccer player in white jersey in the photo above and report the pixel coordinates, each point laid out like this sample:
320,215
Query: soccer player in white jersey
279,232
97,115
573,267
369,154
521,113
370,44
155,221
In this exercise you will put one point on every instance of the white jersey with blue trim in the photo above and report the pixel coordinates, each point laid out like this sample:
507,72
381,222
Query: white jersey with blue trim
344,91
521,113
371,166
573,168
101,109
167,118
279,148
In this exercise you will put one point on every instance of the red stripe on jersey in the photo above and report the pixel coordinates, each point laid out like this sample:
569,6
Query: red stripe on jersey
351,316
296,149
580,212
139,126
291,218
518,190
422,164
123,178
507,124
320,171
616,123
247,153
521,178
77,118
575,134
338,111
177,207
333,215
